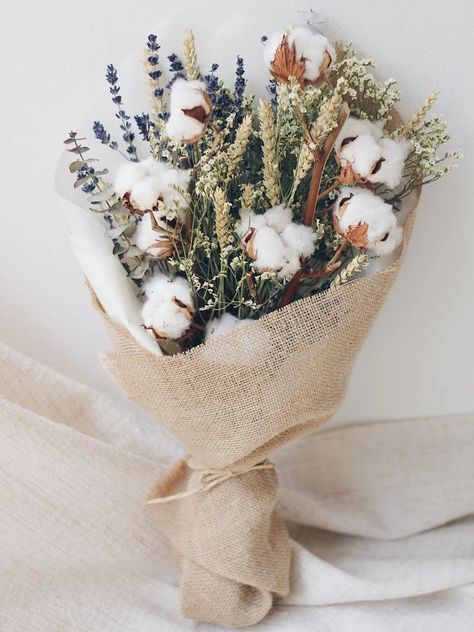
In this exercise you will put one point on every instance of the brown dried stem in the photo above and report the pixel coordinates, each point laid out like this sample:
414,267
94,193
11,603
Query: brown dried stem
312,200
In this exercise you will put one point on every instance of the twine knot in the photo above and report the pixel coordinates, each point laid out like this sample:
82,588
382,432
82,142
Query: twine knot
210,477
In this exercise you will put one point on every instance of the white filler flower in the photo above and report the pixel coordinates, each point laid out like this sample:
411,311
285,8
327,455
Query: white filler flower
169,306
366,221
190,111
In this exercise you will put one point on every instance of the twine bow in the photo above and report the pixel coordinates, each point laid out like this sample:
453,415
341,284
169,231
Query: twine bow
209,478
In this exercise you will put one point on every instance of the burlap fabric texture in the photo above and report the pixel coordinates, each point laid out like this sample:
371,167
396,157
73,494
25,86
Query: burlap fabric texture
232,402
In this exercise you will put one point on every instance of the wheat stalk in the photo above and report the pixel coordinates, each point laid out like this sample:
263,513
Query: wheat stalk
327,119
190,58
303,167
356,265
271,174
246,199
412,124
222,208
238,147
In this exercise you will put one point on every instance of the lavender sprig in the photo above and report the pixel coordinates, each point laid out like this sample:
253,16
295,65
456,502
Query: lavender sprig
144,125
240,81
103,136
176,67
125,125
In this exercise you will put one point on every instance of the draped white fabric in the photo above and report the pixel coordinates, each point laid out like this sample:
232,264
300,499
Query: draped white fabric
380,515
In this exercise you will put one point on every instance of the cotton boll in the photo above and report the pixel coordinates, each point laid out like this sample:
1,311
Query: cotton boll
394,154
356,207
181,291
145,193
182,128
362,155
190,111
220,326
299,238
128,174
267,249
248,220
389,243
149,181
314,49
145,237
161,288
278,217
166,320
354,127
271,45
291,264
158,288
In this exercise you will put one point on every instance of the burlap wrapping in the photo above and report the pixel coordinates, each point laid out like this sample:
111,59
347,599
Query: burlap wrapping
232,402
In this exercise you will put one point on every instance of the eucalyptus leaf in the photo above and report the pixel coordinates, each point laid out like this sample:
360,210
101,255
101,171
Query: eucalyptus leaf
83,180
118,209
134,251
77,165
140,271
113,233
101,196
79,150
119,249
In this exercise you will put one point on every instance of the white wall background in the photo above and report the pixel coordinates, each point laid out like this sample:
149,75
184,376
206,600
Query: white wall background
418,359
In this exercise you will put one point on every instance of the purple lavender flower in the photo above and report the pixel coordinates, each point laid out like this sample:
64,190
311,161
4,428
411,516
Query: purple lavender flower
240,81
144,125
125,125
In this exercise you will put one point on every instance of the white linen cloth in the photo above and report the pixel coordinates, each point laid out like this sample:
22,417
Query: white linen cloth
380,515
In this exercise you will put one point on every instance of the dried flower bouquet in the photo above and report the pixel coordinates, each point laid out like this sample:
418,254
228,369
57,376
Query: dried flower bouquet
249,228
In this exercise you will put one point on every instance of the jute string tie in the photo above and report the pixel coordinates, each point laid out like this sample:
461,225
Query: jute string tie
209,478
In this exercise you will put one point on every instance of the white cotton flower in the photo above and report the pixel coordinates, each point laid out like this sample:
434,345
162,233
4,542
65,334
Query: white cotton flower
362,155
167,320
148,239
394,153
362,146
278,217
354,127
270,48
248,220
168,306
299,238
291,264
148,181
312,48
219,326
190,111
359,208
267,249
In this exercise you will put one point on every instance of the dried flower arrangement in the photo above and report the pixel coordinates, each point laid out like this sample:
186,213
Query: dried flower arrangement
259,220
240,214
